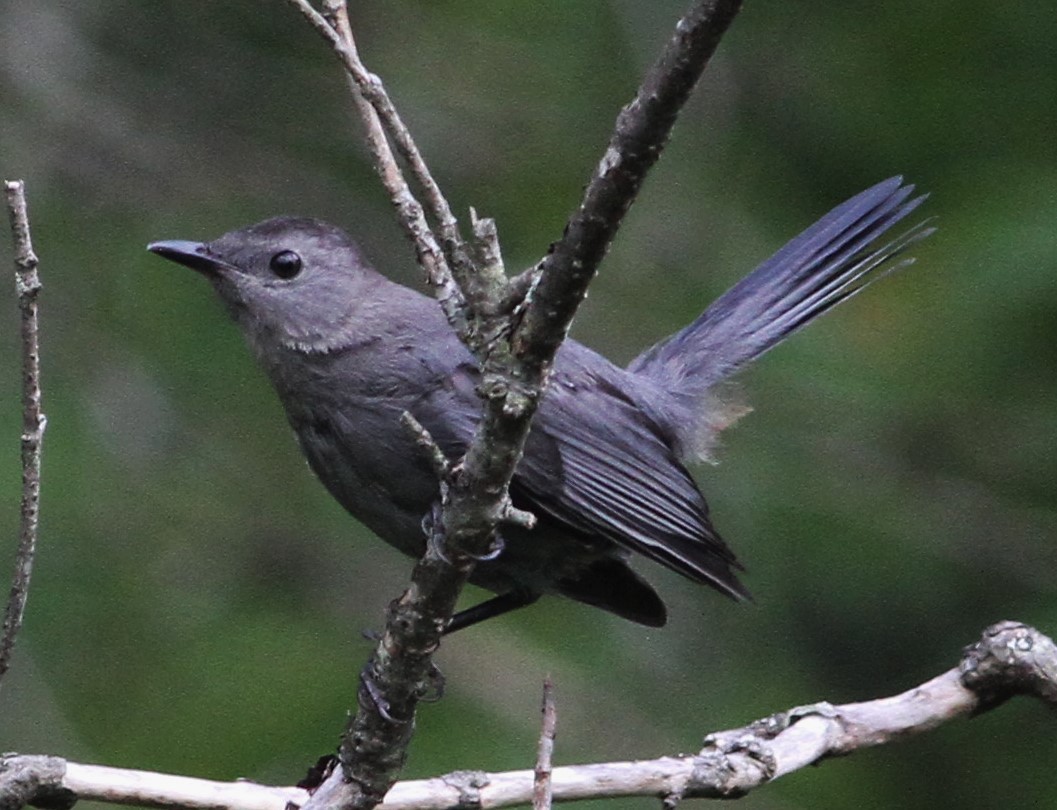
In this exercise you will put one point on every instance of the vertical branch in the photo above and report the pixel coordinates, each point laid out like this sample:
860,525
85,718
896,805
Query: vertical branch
27,284
542,785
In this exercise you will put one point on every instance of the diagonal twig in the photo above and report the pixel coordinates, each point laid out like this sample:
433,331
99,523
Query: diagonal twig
437,257
640,134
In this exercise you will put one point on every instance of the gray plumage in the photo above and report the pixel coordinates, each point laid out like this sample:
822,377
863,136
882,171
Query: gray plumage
604,469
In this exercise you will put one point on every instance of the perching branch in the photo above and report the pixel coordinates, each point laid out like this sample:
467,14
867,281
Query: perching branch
27,285
1010,659
483,307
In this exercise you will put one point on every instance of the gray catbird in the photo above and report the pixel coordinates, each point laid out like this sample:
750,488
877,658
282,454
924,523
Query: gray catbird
349,351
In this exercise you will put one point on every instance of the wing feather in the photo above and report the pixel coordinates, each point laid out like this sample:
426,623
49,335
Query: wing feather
620,480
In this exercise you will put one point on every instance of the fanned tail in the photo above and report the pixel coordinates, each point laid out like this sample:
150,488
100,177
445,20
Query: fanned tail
826,264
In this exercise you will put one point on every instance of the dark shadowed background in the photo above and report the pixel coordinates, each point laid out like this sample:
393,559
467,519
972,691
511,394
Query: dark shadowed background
199,599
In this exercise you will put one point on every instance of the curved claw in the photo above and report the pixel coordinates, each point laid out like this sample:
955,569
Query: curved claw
434,538
381,705
497,548
436,684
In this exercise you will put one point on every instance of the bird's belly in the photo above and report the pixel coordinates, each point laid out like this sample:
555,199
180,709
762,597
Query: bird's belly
380,477
374,481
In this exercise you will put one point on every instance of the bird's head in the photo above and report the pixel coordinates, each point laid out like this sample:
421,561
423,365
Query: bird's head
289,282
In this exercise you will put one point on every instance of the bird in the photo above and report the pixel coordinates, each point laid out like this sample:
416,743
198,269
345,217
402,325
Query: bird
606,464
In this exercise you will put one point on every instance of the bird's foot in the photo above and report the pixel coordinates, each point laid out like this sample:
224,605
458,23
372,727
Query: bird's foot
432,526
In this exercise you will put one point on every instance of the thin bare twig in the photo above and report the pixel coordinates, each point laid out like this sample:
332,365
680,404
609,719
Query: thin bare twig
27,284
1009,659
379,116
542,783
337,13
428,445
467,290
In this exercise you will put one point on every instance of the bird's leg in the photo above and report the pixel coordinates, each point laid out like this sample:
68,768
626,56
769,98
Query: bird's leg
496,606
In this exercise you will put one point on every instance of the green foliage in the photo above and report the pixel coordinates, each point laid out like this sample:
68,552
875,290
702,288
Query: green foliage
198,598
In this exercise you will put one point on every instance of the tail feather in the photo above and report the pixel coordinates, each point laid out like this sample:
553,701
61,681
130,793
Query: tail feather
610,584
826,264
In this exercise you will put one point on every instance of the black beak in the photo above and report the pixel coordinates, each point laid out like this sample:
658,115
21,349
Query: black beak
190,254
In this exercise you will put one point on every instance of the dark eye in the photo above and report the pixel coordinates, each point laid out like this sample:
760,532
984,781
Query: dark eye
285,264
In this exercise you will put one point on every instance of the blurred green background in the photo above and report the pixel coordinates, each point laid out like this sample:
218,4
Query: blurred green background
198,598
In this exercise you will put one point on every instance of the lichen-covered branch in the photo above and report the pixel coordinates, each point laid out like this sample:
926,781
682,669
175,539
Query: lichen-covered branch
27,285
1010,659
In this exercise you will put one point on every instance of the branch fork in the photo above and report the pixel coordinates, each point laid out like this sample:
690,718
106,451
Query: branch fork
513,328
